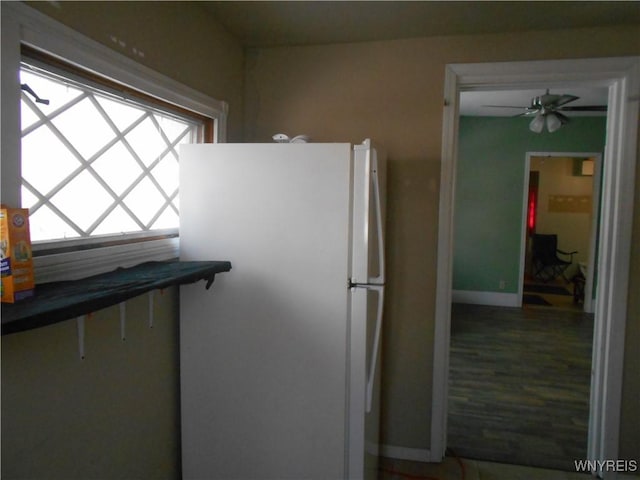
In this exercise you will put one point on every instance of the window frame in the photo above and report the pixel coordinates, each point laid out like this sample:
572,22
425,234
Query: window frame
24,27
40,63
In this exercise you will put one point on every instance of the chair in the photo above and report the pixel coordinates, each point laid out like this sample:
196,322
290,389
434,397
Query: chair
544,256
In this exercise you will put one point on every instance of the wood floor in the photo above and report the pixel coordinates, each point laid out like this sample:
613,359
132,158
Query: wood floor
519,385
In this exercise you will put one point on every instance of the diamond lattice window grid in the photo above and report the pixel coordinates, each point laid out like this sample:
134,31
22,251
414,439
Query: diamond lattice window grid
95,164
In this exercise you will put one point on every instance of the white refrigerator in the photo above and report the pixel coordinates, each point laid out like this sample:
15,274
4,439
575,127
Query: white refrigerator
280,359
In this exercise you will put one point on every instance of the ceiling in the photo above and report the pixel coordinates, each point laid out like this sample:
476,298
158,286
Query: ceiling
261,24
280,23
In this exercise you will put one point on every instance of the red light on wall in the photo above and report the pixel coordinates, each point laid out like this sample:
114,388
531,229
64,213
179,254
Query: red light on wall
531,213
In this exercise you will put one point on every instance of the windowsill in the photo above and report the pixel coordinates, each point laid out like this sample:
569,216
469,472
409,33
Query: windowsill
59,301
84,263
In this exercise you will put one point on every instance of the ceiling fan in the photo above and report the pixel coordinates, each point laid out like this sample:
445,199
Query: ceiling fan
548,109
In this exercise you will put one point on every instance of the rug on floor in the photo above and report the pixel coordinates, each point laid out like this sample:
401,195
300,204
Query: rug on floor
534,300
548,289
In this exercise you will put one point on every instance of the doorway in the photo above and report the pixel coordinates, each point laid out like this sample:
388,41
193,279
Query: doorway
519,378
562,197
621,76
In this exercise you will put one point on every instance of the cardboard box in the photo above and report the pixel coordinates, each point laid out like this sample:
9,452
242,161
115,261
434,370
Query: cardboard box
16,259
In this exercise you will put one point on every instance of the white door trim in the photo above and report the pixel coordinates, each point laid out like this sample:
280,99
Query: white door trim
622,76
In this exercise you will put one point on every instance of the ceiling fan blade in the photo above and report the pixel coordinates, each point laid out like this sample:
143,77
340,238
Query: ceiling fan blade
563,118
552,100
564,99
584,108
505,106
528,113
546,99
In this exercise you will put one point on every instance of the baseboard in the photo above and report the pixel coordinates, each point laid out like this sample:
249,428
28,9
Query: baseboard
486,298
405,453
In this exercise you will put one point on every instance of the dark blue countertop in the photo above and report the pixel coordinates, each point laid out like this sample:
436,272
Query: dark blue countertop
58,301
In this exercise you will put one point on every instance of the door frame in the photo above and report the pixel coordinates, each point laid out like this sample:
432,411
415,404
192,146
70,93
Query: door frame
593,233
622,76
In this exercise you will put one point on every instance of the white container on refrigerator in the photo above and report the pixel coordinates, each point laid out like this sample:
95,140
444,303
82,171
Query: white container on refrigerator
280,359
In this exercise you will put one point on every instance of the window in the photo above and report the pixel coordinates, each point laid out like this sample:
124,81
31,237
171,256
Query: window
111,202
95,163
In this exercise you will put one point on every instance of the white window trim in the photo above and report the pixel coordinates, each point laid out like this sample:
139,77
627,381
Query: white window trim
24,25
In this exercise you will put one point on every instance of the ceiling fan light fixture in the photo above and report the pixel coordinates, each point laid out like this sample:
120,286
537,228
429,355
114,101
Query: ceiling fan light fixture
553,122
537,124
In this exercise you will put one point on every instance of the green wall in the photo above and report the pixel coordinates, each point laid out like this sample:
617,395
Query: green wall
489,193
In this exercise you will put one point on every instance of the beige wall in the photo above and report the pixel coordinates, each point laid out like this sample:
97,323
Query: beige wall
116,414
392,91
113,415
573,228
179,39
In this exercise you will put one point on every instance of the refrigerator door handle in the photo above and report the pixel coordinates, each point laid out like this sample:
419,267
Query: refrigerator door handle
376,346
379,280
